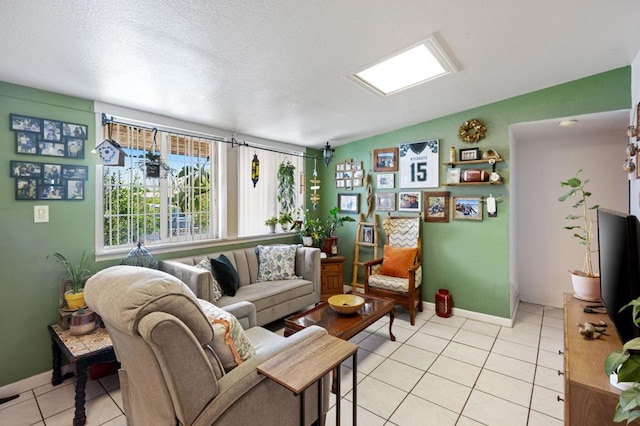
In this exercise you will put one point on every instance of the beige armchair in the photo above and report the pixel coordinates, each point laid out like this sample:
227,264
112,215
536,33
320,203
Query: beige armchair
169,372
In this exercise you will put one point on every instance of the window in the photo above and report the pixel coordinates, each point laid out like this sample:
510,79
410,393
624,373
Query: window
257,204
178,205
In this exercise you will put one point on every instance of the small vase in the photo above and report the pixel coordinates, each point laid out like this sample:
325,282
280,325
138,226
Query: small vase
328,242
272,229
82,323
285,226
307,241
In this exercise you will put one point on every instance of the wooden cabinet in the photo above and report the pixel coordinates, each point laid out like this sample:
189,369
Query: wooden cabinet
589,398
331,276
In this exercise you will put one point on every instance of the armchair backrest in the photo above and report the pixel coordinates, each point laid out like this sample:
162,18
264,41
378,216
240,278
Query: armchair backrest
402,231
160,336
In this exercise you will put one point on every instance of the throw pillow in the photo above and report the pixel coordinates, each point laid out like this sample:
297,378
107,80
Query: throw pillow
216,290
397,260
226,274
230,342
276,262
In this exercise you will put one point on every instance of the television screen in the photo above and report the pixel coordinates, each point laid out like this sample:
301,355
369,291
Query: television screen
619,268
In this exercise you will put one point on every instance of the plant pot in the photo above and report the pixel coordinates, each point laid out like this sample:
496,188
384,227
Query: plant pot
585,287
329,242
74,300
285,226
82,323
272,229
307,241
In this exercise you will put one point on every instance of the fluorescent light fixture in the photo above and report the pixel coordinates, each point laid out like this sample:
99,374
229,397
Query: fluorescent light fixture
415,65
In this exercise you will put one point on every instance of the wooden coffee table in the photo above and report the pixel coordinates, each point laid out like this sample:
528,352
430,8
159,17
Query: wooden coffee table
343,326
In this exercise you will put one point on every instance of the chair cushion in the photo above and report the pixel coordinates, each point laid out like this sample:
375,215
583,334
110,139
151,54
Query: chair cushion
277,262
216,290
397,260
389,283
230,343
226,274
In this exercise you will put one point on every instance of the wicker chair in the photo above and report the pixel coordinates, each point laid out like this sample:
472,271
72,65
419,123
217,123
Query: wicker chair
400,286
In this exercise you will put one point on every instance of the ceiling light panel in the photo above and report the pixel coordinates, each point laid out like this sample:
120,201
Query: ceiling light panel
415,65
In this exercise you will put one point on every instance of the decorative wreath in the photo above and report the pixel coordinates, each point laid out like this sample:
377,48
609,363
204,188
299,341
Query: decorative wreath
472,131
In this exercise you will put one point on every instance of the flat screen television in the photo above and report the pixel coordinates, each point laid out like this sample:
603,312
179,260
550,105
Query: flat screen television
619,268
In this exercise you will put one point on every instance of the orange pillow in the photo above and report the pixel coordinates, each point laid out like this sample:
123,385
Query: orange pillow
397,260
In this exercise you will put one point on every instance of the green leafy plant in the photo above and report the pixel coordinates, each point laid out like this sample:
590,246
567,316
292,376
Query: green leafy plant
583,230
626,364
271,221
334,221
75,273
310,227
286,187
285,218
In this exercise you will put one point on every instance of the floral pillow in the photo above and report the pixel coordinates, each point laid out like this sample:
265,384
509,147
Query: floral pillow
230,343
216,290
277,262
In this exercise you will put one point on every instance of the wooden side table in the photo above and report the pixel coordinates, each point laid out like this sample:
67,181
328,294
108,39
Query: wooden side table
85,351
302,365
331,276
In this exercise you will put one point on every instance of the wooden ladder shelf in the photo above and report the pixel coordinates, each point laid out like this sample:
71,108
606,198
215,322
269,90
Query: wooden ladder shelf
371,242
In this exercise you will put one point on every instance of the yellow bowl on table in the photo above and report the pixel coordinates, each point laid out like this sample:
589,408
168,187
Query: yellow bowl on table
346,303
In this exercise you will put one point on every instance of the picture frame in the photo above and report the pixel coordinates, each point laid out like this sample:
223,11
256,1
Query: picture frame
367,235
349,174
25,169
26,142
75,172
419,164
52,174
51,130
51,148
26,189
385,181
349,203
74,190
385,160
385,201
51,192
436,206
409,201
73,130
467,208
74,148
469,154
25,123
453,175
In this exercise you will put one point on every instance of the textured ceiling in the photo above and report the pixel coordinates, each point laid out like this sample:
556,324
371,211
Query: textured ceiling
279,69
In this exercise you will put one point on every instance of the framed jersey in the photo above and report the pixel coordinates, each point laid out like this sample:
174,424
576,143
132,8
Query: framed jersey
419,164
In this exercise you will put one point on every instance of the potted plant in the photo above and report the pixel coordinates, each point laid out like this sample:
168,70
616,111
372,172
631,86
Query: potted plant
271,223
83,321
625,364
310,230
76,276
332,223
285,220
286,188
586,282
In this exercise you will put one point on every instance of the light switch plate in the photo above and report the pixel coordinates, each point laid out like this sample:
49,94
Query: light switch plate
40,214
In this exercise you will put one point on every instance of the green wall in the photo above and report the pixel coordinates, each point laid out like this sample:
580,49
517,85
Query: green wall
470,258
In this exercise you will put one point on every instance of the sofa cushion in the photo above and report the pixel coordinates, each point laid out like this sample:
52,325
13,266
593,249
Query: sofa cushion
230,343
225,274
276,262
216,290
267,294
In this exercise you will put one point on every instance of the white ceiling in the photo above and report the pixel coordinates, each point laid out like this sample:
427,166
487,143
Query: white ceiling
279,69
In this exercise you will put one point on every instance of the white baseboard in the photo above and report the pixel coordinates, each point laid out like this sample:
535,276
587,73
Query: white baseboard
32,382
491,319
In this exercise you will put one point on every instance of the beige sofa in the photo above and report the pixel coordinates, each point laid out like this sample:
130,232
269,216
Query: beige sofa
273,299
171,370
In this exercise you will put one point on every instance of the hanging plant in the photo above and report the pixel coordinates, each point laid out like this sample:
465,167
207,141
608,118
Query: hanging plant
286,187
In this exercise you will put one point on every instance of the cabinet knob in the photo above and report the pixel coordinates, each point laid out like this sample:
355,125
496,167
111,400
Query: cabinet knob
560,399
560,352
560,373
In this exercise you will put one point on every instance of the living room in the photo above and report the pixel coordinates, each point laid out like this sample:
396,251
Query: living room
485,284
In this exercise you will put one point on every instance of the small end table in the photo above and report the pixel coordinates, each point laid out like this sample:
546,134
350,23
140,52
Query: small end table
85,351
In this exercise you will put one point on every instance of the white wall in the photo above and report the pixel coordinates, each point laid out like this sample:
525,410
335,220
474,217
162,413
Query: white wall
634,205
543,252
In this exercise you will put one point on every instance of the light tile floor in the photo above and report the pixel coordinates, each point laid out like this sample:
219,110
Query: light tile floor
442,371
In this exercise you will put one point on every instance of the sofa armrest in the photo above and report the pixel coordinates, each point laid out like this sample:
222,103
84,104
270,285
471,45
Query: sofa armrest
308,266
197,279
245,313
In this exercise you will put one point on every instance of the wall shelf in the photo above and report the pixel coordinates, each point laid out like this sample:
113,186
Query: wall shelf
460,163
